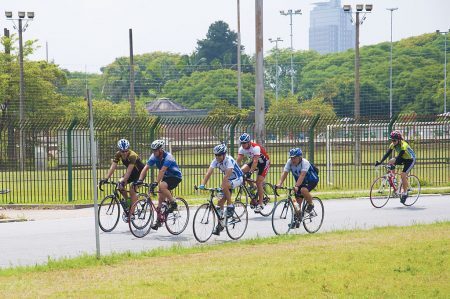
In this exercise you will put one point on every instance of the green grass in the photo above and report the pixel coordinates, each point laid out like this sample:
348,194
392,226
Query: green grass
384,262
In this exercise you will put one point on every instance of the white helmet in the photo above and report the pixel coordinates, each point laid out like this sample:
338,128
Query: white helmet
157,144
220,149
123,144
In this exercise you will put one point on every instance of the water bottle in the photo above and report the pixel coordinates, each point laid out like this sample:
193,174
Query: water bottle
395,181
163,208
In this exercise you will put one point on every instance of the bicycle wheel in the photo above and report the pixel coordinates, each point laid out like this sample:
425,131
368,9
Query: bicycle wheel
237,224
108,213
241,196
380,192
313,221
413,190
204,222
142,217
178,219
270,200
282,217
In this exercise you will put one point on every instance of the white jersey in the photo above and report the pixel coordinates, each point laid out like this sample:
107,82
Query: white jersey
228,163
254,150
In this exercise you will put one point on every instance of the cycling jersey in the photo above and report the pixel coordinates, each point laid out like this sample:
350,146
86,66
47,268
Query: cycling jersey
402,145
227,163
255,150
132,158
167,160
304,165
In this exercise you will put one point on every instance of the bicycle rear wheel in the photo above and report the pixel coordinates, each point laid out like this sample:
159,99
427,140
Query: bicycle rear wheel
270,200
413,190
142,218
313,221
204,222
178,219
237,224
380,192
283,217
108,213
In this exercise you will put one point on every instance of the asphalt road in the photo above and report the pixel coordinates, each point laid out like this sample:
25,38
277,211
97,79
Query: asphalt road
34,242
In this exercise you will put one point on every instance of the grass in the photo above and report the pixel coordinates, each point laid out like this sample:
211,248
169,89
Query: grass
384,262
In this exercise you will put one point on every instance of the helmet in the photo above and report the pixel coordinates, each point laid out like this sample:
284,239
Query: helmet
396,135
244,138
295,152
123,144
220,149
157,144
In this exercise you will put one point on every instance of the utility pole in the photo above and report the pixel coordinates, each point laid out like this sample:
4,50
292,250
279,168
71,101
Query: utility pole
390,68
290,13
132,100
276,64
239,54
260,132
445,67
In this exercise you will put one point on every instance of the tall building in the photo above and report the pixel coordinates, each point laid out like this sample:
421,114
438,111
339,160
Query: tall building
330,28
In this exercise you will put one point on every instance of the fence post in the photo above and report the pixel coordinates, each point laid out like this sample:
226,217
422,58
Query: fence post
152,138
69,160
232,127
311,138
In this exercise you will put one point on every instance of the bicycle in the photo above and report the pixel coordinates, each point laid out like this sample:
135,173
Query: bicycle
109,208
205,219
244,193
287,215
385,187
175,215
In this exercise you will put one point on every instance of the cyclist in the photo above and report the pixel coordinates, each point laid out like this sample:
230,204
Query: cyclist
233,177
259,159
132,162
405,157
306,177
169,176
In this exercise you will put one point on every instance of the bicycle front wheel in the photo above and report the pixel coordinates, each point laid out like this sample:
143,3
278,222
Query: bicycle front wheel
380,192
204,222
142,217
283,217
413,190
237,224
242,197
178,218
108,213
313,221
269,200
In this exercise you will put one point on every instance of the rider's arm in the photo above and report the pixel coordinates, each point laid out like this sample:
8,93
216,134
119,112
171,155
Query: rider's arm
128,173
300,179
254,164
111,170
400,154
282,178
239,159
144,172
161,173
207,176
388,153
227,174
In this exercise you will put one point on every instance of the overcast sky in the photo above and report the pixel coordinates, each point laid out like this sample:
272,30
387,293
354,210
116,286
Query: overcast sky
89,34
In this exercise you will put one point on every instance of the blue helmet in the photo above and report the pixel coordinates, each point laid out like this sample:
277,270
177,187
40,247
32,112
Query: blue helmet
295,152
220,149
123,144
244,138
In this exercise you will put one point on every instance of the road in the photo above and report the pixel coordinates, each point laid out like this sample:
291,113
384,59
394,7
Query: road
34,242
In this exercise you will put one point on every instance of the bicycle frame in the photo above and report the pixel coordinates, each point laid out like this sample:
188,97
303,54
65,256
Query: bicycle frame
213,192
291,197
118,195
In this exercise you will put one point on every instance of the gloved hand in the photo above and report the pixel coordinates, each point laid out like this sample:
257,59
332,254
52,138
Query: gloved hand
202,187
247,175
103,181
377,163
138,183
120,185
154,185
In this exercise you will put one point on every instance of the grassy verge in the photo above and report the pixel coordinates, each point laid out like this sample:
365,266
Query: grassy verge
386,262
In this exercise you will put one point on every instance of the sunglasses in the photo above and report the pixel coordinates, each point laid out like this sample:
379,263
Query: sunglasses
218,155
245,143
125,151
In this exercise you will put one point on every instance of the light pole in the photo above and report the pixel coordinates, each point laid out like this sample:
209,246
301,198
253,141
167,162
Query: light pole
445,67
348,9
390,68
276,64
21,29
289,13
239,54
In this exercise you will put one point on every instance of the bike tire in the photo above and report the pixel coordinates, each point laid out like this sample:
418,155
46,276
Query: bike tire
236,225
108,213
142,218
283,217
270,200
242,197
312,222
380,192
413,190
204,222
177,221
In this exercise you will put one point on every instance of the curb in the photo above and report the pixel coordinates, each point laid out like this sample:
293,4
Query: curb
14,220
44,207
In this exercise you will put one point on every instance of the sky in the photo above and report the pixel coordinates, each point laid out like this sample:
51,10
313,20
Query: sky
84,35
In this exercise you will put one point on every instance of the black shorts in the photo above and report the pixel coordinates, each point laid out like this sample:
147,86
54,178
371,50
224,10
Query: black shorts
408,164
309,186
263,168
172,182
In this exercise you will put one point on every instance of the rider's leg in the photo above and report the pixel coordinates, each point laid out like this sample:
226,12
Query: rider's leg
122,189
307,195
164,193
260,185
226,186
405,186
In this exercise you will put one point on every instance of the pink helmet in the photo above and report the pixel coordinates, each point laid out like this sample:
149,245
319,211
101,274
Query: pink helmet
396,135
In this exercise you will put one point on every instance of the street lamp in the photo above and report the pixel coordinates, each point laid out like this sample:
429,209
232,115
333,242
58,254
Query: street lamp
445,67
390,68
289,13
276,64
21,29
359,9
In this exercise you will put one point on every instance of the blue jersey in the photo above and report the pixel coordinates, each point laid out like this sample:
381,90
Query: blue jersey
304,165
228,163
167,160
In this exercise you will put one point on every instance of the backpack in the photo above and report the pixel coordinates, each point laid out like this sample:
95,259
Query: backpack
314,168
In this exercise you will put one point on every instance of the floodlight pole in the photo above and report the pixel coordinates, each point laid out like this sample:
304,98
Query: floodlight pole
290,13
239,54
445,67
390,68
276,64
